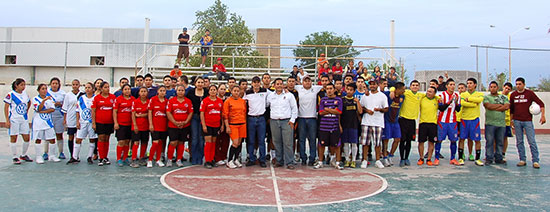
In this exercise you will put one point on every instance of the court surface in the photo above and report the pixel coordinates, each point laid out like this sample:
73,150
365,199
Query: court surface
82,187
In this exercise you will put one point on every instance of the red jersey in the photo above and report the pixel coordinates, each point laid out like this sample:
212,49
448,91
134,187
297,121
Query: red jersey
180,110
212,111
337,70
124,110
218,68
104,109
158,109
141,108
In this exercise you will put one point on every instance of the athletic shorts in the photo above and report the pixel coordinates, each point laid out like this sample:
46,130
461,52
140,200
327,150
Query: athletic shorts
237,131
350,135
44,135
142,136
211,131
447,130
183,52
177,134
204,51
158,135
86,131
124,133
471,130
391,130
19,128
371,135
104,129
427,132
408,129
58,125
508,131
329,138
71,131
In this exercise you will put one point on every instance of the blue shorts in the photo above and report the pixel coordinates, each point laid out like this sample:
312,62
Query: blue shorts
391,130
508,131
350,135
204,51
470,130
447,130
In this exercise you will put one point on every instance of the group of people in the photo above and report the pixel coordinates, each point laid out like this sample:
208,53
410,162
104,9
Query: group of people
282,121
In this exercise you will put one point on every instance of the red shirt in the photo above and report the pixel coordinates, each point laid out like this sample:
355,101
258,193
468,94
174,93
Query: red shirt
124,110
141,108
104,109
337,70
212,111
180,110
218,67
158,109
520,103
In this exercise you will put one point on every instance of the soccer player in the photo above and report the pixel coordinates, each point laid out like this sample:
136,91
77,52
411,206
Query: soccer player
449,106
179,112
58,96
84,125
351,115
407,119
427,130
506,91
222,140
211,110
42,124
391,124
495,123
471,103
102,121
69,110
122,117
330,109
157,125
462,89
375,105
140,128
234,116
17,104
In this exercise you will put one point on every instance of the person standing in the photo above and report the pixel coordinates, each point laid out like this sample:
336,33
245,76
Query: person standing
521,100
471,103
179,111
84,125
234,117
374,106
407,119
427,129
351,115
157,126
16,109
392,129
206,41
122,117
222,140
449,106
330,109
495,123
307,119
256,98
69,110
183,49
196,95
58,96
140,129
506,91
102,121
211,115
42,124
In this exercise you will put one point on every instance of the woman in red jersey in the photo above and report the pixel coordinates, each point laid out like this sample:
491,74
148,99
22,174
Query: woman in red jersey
122,116
210,109
157,115
140,128
179,112
222,141
102,121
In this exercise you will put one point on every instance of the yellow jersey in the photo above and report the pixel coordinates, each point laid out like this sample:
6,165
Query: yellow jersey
507,119
428,110
411,105
471,109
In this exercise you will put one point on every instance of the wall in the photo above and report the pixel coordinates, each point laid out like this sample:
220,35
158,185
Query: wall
270,36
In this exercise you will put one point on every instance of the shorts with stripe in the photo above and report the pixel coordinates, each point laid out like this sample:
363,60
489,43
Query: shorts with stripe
471,130
447,130
371,135
19,128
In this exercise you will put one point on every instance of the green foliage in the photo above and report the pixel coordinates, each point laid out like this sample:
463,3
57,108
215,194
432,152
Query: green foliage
500,78
544,84
325,38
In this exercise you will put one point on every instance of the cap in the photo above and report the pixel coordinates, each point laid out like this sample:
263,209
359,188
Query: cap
307,77
185,29
219,58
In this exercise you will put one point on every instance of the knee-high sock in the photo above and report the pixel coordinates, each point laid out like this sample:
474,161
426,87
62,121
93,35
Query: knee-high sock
453,149
13,147
170,152
76,151
354,150
347,151
143,150
125,150
134,151
52,150
91,150
209,148
106,148
460,153
231,153
402,149
119,152
179,151
71,146
60,145
407,149
25,148
38,148
437,149
159,150
152,151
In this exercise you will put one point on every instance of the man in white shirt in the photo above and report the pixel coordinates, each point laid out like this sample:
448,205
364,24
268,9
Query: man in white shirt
69,111
283,114
374,106
307,119
256,101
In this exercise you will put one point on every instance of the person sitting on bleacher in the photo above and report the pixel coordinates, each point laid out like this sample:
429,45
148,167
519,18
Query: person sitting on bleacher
219,70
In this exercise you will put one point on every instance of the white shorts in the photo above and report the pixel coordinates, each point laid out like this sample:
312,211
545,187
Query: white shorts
44,135
86,130
19,128
58,124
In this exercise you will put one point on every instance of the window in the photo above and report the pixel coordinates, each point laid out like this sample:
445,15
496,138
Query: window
97,60
11,59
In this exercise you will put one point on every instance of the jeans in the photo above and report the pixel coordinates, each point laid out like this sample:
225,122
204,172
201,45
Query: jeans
222,74
307,128
256,135
530,132
494,135
197,141
283,135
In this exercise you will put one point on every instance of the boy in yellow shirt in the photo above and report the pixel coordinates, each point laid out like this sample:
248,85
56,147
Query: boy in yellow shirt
427,130
471,102
407,119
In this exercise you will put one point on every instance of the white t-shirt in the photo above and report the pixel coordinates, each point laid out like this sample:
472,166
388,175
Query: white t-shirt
58,96
377,100
18,106
69,108
83,108
301,76
42,121
308,101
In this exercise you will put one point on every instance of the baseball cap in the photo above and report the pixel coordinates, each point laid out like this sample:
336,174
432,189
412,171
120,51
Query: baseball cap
185,29
219,58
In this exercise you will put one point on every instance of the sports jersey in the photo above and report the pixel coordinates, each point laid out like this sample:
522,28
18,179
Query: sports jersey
234,110
19,103
124,110
471,108
83,108
42,121
358,94
330,122
449,114
394,106
57,96
141,108
69,108
104,109
180,110
428,110
349,115
212,111
158,110
411,105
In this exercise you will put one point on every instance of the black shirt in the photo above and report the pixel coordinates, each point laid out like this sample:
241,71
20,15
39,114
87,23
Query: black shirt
186,36
196,100
349,112
441,87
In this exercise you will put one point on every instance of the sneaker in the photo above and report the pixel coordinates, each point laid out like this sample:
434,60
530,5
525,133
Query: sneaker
339,166
71,161
318,165
504,159
488,162
436,162
420,162
479,163
390,159
461,162
353,164
250,163
208,165
521,163
149,164
238,163
100,162
143,162
297,158
90,160
453,162
364,164
179,163
134,164
291,167
386,162
501,162
62,156
160,163
53,158
120,163
536,165
407,162
126,162
39,160
45,156
169,163
402,163
16,161
379,164
106,161
471,158
348,164
262,164
220,163
231,165
429,163
25,158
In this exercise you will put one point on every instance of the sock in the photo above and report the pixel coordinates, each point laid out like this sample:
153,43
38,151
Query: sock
38,150
238,152
453,149
118,152
25,148
407,149
125,150
478,154
60,145
71,146
100,150
134,151
159,150
170,153
179,151
402,149
143,150
231,153
437,150
52,150
106,148
460,153
152,151
92,149
207,146
347,151
354,150
76,151
45,145
273,154
13,147
503,154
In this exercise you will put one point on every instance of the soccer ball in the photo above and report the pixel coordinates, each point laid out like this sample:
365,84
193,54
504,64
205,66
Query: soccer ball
534,109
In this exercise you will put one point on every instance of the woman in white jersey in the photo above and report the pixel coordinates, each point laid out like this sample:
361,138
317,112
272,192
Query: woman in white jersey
58,96
84,125
69,112
16,108
42,124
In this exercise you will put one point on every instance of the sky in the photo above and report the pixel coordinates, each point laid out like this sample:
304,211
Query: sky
423,23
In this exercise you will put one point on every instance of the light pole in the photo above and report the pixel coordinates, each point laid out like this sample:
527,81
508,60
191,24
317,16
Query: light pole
510,49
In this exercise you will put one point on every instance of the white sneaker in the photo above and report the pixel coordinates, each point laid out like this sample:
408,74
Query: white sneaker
53,158
168,163
220,163
385,162
149,164
231,165
39,160
318,165
179,164
379,164
160,163
333,162
364,164
238,163
390,160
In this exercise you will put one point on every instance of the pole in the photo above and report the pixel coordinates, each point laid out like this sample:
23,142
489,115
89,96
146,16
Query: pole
65,65
487,68
233,64
477,61
269,59
509,58
392,42
145,40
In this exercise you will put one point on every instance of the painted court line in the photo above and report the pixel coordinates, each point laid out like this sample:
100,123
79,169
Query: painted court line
276,190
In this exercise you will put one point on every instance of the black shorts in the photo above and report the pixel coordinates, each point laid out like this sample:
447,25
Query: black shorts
329,138
176,134
142,136
71,131
211,131
104,129
158,135
427,132
408,129
124,133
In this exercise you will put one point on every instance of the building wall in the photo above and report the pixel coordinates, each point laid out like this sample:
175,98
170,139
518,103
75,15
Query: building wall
270,36
424,77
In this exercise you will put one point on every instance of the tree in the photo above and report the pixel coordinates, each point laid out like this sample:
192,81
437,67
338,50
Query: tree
324,38
544,84
226,27
500,78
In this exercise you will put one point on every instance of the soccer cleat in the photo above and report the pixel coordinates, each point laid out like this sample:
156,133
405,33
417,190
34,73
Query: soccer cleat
364,164
143,162
348,164
420,162
238,163
53,158
100,162
16,161
25,158
379,164
39,160
134,164
353,165
436,162
160,163
479,162
45,156
149,164
179,163
90,160
429,163
407,162
169,163
231,165
461,162
339,166
402,163
62,156
318,165
72,160
521,163
120,163
106,161
471,158
126,162
536,165
453,162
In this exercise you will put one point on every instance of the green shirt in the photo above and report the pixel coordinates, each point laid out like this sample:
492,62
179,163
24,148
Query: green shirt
493,117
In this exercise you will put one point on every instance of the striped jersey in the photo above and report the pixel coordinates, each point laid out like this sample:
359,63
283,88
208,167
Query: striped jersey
449,115
330,122
19,103
42,121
